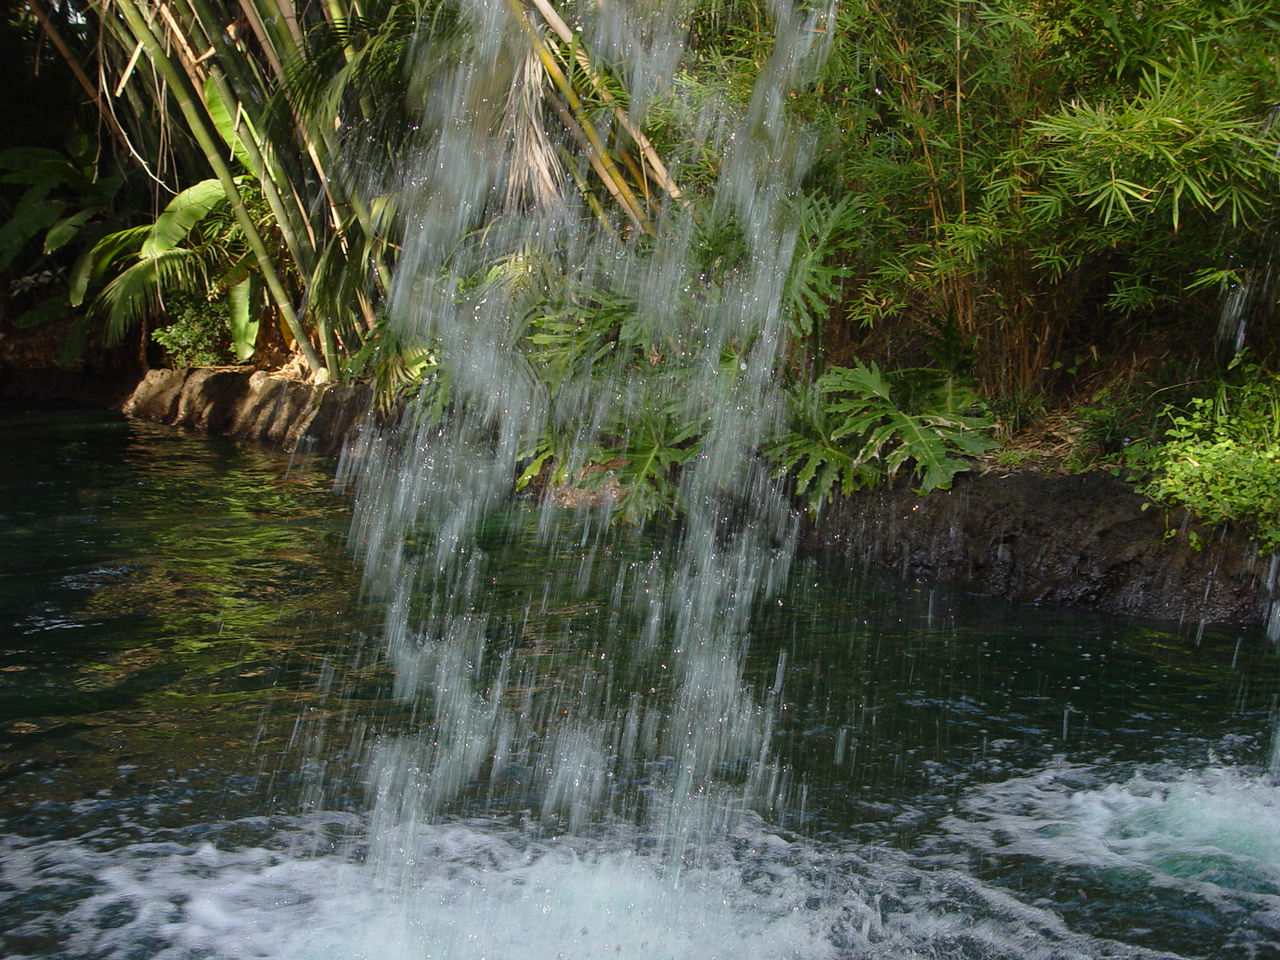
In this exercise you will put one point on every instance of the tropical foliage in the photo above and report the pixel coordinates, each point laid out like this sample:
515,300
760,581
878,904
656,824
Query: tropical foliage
859,425
984,193
1221,455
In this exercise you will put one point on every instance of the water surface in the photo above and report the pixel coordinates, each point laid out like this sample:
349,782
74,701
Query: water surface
196,698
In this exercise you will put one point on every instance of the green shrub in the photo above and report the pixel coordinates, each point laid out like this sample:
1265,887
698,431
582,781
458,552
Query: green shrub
197,334
1221,457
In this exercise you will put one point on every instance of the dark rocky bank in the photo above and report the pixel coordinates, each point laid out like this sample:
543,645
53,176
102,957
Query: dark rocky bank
1046,538
1022,536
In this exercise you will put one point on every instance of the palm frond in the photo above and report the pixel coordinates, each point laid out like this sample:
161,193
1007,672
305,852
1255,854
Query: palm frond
93,263
535,176
139,290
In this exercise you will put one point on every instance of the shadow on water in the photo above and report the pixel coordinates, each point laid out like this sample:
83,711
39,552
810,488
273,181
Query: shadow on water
152,578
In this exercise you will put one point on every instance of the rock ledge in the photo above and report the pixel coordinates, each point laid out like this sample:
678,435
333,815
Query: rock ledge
252,405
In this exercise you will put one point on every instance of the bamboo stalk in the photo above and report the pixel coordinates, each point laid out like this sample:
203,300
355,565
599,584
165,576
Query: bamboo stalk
572,125
285,45
291,219
199,125
656,168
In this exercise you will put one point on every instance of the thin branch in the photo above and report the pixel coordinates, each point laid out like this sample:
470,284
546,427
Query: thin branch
73,62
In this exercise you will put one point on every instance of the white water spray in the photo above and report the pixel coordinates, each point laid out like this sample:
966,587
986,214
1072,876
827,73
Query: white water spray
426,487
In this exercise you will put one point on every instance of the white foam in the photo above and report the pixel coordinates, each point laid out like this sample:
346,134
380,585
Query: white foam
1165,846
473,893
483,891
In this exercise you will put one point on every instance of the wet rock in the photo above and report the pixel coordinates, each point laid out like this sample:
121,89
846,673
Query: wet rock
156,397
252,405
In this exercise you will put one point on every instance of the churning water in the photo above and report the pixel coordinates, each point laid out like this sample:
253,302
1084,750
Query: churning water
533,734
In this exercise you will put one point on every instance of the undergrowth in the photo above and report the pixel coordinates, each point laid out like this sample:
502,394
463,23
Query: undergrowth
1220,456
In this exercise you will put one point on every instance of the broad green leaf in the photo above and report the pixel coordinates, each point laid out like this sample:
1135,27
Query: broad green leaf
23,158
55,308
224,119
243,302
66,228
73,343
181,216
36,166
34,213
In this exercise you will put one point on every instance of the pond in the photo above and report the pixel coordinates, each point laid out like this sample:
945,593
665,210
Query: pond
219,740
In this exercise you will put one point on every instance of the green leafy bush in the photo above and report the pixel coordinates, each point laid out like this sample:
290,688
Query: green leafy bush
866,426
1221,457
197,335
819,462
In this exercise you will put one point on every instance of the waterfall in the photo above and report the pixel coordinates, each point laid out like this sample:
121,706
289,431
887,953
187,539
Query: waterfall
484,245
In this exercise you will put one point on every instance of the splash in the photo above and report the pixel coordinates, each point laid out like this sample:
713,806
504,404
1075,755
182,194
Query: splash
1183,842
485,889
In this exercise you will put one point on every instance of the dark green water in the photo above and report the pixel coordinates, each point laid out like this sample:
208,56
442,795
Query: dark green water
191,688
161,595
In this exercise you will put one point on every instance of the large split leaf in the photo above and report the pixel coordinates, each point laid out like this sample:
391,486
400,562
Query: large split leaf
934,439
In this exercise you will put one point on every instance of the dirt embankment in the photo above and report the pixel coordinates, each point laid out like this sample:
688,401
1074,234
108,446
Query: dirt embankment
1033,537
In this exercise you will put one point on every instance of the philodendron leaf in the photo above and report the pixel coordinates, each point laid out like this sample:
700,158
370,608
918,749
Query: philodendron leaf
180,217
33,213
865,415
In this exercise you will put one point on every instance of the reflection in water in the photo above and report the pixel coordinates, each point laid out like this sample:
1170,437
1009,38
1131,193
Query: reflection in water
151,577
194,700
